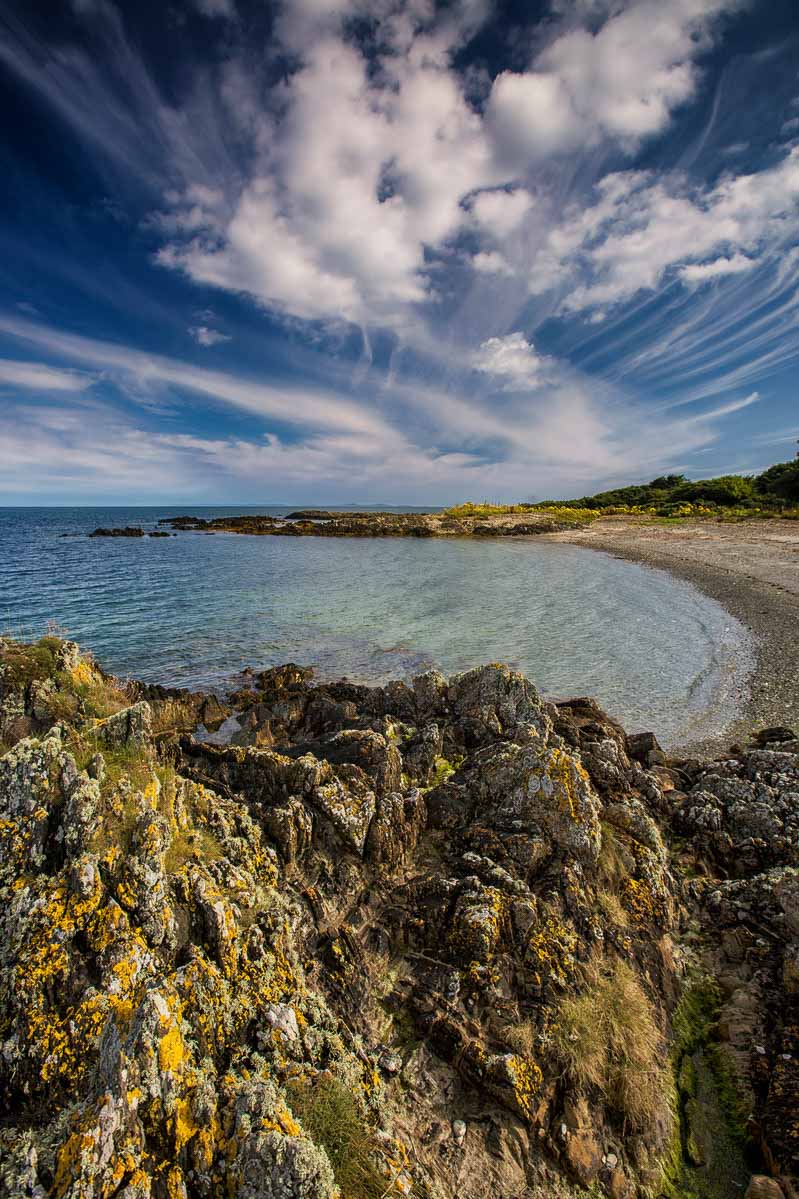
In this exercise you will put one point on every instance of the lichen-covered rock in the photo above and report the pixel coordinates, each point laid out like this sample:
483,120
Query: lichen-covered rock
543,792
244,969
493,702
130,726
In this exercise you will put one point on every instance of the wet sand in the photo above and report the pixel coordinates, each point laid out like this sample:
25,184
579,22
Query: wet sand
752,569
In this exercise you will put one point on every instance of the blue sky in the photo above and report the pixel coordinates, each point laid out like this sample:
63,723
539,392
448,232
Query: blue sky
383,251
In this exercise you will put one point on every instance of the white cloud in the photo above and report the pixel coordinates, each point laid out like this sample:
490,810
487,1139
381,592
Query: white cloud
621,82
377,158
35,376
491,262
641,227
500,212
324,196
701,272
511,358
205,336
361,178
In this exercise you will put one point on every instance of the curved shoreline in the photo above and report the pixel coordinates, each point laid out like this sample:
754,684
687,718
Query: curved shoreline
768,609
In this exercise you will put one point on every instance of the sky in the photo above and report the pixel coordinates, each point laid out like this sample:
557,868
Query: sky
394,251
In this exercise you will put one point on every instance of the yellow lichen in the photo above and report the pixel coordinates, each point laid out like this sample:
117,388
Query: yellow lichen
171,1050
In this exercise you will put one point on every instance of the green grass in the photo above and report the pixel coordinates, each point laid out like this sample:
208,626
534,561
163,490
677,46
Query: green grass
23,664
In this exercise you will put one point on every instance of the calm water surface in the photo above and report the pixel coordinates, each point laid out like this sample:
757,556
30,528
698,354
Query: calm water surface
192,610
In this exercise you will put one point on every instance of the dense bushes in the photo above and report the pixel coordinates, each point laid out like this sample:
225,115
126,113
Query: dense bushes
774,490
781,480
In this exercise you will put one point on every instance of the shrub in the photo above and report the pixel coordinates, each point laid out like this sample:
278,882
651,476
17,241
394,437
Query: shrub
781,480
21,664
725,490
329,1114
607,1038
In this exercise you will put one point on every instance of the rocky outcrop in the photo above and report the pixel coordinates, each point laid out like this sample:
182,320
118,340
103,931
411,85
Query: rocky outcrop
127,531
433,939
321,523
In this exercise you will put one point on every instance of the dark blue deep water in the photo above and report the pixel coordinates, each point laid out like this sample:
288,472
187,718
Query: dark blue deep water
194,609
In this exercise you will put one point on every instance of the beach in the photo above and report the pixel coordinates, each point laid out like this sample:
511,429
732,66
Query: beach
752,569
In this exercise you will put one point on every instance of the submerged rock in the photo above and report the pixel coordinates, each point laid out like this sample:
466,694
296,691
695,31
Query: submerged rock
127,531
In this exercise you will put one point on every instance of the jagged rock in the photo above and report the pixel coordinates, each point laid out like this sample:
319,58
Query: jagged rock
130,726
403,893
421,752
542,792
774,733
492,702
283,1019
127,531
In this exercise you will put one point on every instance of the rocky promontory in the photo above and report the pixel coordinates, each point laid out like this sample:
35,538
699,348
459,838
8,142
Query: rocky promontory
433,939
322,523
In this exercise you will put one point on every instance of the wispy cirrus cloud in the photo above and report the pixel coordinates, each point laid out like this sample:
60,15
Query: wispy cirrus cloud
439,443
641,227
342,167
35,376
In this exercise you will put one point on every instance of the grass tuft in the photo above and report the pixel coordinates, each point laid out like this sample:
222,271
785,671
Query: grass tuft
331,1117
607,1038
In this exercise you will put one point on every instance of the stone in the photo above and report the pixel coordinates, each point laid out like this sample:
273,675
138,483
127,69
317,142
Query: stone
131,726
282,1019
763,1187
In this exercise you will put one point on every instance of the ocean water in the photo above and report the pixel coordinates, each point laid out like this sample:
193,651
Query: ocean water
194,609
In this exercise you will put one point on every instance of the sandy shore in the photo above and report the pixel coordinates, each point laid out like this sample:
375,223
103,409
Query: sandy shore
752,569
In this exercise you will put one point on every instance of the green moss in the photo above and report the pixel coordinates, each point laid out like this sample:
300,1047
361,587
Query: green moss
710,1143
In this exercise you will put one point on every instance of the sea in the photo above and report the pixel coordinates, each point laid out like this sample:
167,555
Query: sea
194,609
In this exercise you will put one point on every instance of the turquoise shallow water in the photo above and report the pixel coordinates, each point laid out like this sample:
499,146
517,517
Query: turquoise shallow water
193,610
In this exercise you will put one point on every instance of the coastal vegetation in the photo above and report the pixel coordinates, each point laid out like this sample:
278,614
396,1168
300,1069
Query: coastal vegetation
773,493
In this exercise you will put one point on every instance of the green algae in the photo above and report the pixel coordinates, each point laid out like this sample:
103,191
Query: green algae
707,1158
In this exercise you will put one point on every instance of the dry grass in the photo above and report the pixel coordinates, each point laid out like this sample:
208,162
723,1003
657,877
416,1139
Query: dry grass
101,697
607,1039
173,716
330,1115
613,909
521,1039
614,863
186,845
